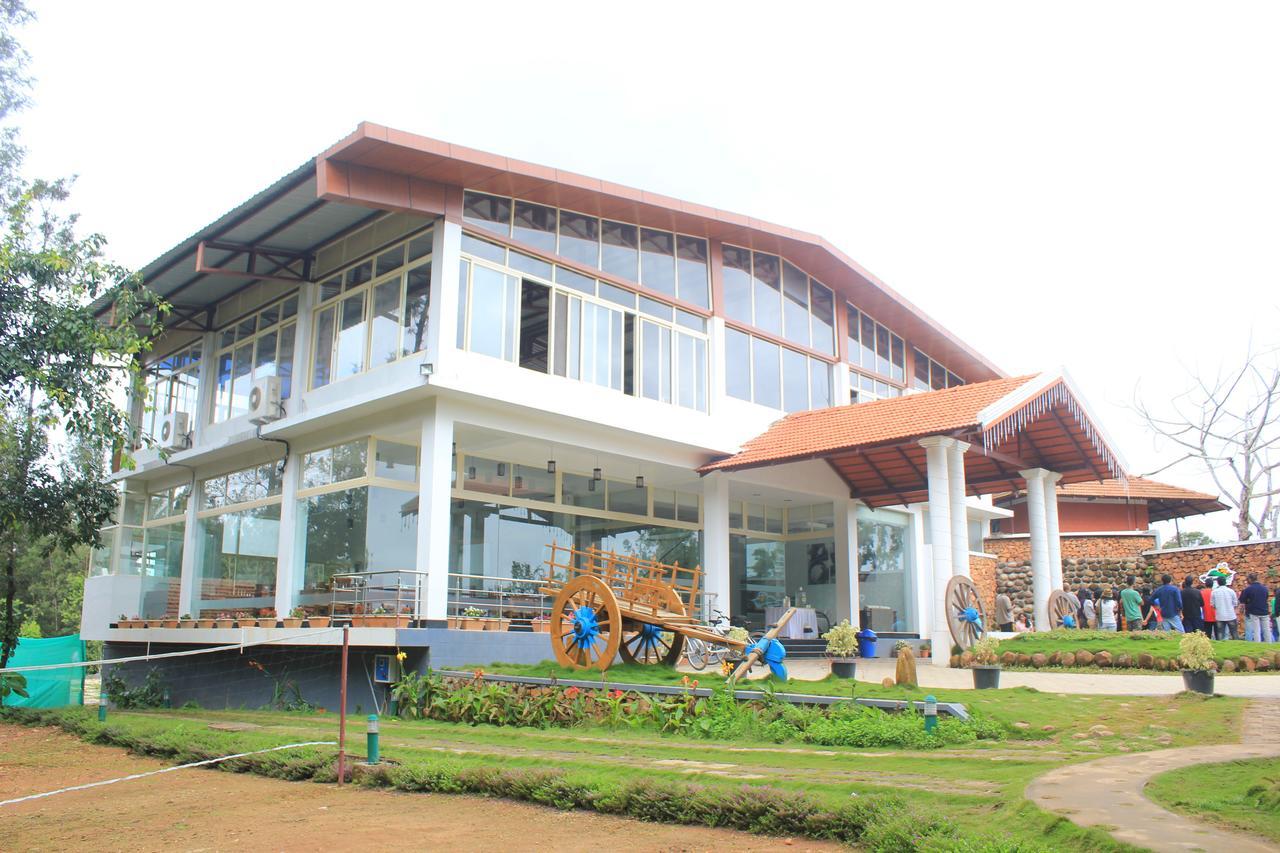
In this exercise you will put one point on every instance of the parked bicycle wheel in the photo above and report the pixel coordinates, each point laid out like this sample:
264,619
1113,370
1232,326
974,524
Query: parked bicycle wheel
695,651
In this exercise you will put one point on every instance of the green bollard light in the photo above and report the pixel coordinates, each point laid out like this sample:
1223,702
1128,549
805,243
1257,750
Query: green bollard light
930,714
102,709
371,738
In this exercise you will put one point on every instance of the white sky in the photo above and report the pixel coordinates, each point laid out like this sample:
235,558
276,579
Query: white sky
1088,184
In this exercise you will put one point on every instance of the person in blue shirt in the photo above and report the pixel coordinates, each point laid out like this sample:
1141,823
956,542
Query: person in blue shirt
1257,627
1169,599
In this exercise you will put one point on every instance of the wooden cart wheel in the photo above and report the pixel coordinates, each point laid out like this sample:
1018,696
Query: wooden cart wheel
644,642
966,617
586,624
1059,607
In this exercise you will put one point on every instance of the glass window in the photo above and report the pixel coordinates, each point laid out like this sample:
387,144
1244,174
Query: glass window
329,288
582,491
484,249
491,212
323,348
531,483
487,475
737,362
691,321
655,361
921,370
535,325
417,299
531,265
535,225
737,284
389,261
368,528
882,350
236,565
580,238
795,304
768,292
795,381
358,275
625,298
654,308
664,503
384,346
619,254
492,313
464,288
691,364
625,497
953,380
937,379
691,268
568,322
819,384
898,359
241,378
658,266
352,330
687,508
822,311
394,461
867,343
766,382
577,281
334,464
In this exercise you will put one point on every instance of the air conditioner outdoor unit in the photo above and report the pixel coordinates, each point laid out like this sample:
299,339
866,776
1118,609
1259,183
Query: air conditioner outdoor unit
264,401
175,431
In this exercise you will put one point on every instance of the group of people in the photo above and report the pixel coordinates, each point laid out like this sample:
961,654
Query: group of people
1208,605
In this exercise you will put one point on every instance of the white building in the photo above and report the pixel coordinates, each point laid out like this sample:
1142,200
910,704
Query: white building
475,357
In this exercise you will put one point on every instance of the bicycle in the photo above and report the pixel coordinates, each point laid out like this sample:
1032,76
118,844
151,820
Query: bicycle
699,652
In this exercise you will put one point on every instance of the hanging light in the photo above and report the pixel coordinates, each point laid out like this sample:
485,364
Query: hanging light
551,466
591,485
639,481
597,474
471,473
502,469
519,481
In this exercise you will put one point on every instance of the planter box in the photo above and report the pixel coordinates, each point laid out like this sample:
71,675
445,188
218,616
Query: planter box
317,621
986,677
472,623
455,622
496,624
542,626
292,623
385,621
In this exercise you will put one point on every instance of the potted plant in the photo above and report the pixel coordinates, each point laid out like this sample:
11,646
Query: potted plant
926,649
540,624
206,622
1195,655
498,623
986,664
842,645
295,617
473,619
187,621
314,621
225,620
123,622
267,617
169,622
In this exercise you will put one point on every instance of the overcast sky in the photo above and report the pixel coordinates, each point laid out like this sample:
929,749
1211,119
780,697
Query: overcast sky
1088,184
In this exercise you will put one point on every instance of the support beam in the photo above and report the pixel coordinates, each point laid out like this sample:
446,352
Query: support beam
846,557
434,514
1037,527
935,449
715,541
1051,528
959,517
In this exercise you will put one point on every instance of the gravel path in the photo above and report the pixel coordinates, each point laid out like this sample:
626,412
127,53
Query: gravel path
1107,793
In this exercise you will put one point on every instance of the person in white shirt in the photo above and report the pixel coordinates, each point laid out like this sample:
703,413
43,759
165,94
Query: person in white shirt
1107,611
1224,609
1090,613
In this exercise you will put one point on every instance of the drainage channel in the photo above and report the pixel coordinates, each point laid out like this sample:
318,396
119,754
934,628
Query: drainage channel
953,709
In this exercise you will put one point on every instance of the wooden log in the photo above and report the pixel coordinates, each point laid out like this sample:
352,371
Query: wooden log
771,635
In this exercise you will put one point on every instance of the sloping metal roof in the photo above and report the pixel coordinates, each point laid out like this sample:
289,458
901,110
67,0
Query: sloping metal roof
288,215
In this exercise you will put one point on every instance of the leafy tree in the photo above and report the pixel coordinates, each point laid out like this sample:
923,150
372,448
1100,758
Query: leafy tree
1190,539
61,369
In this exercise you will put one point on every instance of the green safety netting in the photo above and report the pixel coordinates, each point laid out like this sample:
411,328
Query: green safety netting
50,688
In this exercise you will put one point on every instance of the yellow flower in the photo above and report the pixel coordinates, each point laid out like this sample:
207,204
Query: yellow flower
400,656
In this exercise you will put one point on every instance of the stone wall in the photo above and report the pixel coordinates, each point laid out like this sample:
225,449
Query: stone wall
983,572
1101,561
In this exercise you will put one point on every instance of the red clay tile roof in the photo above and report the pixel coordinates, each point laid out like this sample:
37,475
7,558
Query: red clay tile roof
1138,488
808,434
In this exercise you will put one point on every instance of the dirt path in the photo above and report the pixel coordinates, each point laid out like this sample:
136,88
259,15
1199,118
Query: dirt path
1108,793
211,810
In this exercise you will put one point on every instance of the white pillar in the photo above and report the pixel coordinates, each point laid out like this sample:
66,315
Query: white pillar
1037,527
715,542
190,553
1051,526
442,328
959,516
846,557
435,483
935,448
289,562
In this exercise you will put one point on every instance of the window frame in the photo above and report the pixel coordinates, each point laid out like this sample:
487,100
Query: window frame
251,340
783,347
811,282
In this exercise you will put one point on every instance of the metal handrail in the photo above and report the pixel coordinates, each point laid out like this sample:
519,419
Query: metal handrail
525,604
405,599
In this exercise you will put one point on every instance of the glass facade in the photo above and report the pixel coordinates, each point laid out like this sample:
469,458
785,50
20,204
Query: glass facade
172,386
251,349
760,371
886,571
238,539
777,297
674,265
929,375
373,312
553,320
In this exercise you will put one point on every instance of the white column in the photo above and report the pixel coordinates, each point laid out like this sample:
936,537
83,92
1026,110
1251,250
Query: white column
442,328
959,516
1051,526
846,557
716,395
190,554
1037,527
715,541
935,448
288,550
435,482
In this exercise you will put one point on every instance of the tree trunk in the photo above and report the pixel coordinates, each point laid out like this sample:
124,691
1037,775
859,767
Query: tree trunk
10,632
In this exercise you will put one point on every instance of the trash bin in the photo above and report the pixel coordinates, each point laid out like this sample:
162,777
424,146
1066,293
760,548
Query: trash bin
866,643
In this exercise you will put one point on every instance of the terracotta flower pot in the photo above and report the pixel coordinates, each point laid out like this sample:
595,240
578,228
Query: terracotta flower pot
188,623
154,623
169,623
206,623
455,622
541,626
497,624
225,623
291,622
317,621
473,623
267,622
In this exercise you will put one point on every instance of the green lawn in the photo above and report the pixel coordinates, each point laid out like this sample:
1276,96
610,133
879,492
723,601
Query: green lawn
1243,795
1155,643
976,788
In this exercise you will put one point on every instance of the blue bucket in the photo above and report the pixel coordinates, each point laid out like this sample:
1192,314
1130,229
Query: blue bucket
866,643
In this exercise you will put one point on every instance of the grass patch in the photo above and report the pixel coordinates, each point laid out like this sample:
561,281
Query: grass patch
1239,795
1158,644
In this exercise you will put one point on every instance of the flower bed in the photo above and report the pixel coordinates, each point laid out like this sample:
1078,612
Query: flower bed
1145,650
